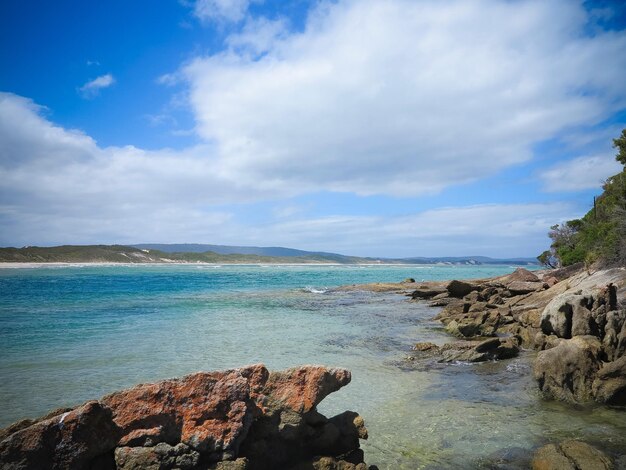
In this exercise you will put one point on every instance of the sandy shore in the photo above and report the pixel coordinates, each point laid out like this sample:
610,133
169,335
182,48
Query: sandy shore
10,265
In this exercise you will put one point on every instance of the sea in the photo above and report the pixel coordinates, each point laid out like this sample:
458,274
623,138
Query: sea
73,333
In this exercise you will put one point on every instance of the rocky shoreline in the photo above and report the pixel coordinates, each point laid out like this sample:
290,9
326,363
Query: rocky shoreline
575,319
240,419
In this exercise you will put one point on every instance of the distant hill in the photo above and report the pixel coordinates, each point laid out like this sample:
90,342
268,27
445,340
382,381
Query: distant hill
244,250
197,253
130,254
291,252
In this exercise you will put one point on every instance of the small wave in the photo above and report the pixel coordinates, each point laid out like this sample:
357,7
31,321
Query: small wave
314,290
518,367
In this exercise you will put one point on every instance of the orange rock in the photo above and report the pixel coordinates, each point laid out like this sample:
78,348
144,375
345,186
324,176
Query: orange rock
303,388
203,415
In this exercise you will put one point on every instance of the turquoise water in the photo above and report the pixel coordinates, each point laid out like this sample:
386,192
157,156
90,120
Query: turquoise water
71,334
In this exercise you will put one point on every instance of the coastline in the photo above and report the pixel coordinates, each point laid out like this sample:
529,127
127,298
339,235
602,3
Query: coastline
59,264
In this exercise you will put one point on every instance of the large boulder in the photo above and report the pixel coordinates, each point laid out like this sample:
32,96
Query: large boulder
610,384
570,455
459,289
522,275
567,371
234,419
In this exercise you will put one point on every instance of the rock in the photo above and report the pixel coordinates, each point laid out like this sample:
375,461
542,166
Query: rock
570,455
550,281
522,275
557,317
489,350
582,321
614,341
303,388
564,273
496,299
459,289
524,287
427,292
567,371
473,297
70,440
408,280
162,456
229,420
238,464
216,416
425,347
609,387
478,307
511,458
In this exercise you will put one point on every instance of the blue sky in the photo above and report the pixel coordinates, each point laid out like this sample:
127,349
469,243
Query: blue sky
370,127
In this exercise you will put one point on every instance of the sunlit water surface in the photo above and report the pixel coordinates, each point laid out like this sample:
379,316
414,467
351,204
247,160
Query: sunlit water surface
76,333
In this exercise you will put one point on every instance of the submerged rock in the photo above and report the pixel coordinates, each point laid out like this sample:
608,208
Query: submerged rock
244,418
466,351
570,455
489,350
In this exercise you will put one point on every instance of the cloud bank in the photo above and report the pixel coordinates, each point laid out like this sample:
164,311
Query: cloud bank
402,97
71,187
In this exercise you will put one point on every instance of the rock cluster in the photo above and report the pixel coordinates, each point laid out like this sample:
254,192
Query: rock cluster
237,419
586,362
581,333
486,308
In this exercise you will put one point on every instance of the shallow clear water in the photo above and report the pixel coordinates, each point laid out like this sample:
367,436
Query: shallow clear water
75,333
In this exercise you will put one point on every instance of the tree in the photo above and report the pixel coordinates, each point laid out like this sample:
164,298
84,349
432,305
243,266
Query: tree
548,259
620,145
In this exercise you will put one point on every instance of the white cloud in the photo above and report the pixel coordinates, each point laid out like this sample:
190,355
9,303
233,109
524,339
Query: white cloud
221,10
580,173
258,35
58,184
402,97
92,88
71,190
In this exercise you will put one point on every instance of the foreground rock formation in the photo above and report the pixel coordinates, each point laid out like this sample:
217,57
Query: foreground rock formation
575,319
244,418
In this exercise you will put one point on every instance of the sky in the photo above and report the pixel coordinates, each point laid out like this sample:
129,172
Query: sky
388,128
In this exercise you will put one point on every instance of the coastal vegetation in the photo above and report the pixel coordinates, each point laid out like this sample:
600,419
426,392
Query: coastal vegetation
230,255
600,235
